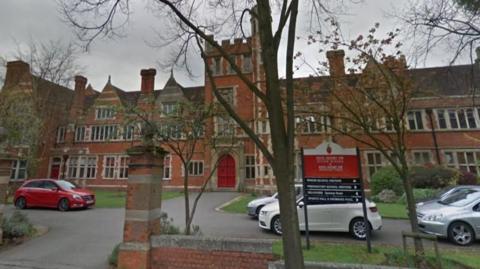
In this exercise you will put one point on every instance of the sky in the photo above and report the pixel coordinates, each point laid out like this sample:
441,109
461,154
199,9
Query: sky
123,57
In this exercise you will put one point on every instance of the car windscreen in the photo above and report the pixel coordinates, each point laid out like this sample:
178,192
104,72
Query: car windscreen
460,198
66,185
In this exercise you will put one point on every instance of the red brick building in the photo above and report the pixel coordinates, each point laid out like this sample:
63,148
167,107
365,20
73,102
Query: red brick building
88,138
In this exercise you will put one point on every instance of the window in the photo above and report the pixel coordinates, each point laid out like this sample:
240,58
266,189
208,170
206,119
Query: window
266,170
263,127
18,170
468,160
61,134
464,118
247,63
217,66
123,167
104,133
79,133
195,168
415,120
167,166
442,122
228,95
82,166
171,131
249,166
225,126
312,125
169,108
104,113
128,132
422,157
374,162
115,167
109,167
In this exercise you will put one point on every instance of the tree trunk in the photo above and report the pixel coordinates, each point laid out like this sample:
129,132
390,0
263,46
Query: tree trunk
187,200
412,214
292,244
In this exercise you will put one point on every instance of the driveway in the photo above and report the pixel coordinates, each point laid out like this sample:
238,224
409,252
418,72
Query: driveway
85,238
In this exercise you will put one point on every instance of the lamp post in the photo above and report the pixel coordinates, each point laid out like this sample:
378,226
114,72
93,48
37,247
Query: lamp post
4,178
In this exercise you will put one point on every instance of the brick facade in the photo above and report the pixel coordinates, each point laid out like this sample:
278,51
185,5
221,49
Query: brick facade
444,119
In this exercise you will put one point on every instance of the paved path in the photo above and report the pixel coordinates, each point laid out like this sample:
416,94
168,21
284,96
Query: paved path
85,238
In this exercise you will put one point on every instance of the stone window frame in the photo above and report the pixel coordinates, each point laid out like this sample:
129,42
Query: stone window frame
80,133
247,63
454,118
118,169
417,120
104,113
18,166
89,164
470,161
167,167
194,168
228,123
61,133
250,166
420,154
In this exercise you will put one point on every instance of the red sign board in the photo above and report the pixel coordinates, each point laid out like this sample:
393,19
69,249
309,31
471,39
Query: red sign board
330,166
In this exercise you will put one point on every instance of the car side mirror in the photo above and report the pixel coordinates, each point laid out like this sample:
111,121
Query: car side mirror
301,204
54,189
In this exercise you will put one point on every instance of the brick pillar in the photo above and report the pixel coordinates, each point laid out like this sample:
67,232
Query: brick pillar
143,207
5,166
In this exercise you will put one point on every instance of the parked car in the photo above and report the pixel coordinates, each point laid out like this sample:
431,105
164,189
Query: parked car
325,218
254,206
59,194
454,215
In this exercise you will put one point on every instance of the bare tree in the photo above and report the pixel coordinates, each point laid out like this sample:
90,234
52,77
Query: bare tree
435,23
194,21
53,60
371,107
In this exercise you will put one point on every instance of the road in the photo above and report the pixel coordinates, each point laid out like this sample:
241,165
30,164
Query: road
85,238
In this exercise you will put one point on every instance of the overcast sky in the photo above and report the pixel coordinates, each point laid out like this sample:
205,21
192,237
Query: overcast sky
122,58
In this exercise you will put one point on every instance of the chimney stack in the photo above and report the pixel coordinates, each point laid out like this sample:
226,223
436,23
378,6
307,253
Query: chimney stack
148,80
80,84
79,95
336,62
16,72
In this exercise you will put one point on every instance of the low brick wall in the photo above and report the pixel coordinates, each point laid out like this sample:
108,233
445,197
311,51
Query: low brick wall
185,252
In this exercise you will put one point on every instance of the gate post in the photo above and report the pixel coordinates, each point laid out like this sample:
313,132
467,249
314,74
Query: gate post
143,206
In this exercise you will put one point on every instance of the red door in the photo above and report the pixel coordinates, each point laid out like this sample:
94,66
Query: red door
226,172
55,171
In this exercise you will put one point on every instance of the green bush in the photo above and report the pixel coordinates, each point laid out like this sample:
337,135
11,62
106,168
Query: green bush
467,178
386,178
17,226
113,258
420,195
436,177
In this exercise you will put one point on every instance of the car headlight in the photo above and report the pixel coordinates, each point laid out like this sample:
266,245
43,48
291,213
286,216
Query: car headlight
262,213
77,197
435,217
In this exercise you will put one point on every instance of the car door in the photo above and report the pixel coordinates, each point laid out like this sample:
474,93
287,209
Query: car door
31,193
342,214
50,194
318,217
476,218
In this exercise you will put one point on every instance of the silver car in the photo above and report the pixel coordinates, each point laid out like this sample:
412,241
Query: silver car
254,207
454,215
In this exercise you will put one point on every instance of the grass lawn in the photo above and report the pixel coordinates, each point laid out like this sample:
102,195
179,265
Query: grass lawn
384,255
240,204
115,199
392,211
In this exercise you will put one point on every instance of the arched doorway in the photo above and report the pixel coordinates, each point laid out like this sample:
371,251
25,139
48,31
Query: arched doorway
226,172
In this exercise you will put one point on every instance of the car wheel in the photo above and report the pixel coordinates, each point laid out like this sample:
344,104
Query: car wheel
461,233
276,225
63,204
358,229
21,203
257,212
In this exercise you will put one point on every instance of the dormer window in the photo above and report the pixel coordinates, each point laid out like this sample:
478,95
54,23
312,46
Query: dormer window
105,113
169,108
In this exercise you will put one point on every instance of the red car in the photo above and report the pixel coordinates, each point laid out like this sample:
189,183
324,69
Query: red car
59,194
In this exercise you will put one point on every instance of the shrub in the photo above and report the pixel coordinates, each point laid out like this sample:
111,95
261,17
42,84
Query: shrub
386,178
385,196
436,177
17,226
420,195
467,178
113,258
167,226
